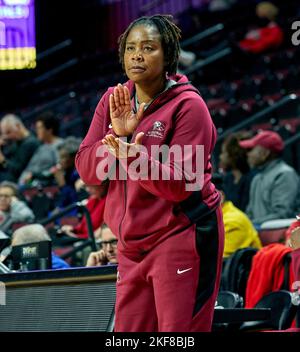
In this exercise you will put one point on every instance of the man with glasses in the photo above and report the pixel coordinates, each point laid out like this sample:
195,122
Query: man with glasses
108,252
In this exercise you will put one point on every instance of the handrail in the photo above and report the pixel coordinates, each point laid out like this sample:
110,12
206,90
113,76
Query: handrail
292,140
258,115
54,49
201,63
55,71
49,105
66,210
204,34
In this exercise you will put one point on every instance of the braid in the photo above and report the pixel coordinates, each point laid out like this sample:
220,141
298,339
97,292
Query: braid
170,35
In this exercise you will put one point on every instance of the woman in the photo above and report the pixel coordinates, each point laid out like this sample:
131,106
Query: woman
163,228
238,176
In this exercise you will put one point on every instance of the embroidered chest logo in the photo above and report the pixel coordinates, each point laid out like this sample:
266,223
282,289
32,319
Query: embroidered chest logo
157,130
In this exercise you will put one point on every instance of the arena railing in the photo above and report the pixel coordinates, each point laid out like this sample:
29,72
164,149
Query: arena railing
50,105
54,49
258,116
202,35
212,58
89,242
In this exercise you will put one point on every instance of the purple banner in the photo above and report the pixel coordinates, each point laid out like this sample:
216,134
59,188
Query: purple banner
17,24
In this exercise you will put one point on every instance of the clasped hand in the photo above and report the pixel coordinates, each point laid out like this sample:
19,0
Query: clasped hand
124,122
121,149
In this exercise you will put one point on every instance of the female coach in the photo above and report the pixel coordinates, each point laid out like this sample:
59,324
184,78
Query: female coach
170,234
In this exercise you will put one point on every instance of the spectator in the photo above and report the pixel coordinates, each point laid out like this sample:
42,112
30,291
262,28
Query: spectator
18,147
239,231
95,204
273,190
46,156
269,35
12,210
36,233
65,172
108,253
238,176
294,243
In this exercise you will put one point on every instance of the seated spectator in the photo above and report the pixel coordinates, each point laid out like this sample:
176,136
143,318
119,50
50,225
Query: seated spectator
95,205
65,173
239,231
274,188
269,35
294,243
289,231
18,145
238,176
32,234
12,210
108,253
46,156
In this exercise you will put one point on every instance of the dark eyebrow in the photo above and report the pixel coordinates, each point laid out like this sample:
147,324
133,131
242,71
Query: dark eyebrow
144,41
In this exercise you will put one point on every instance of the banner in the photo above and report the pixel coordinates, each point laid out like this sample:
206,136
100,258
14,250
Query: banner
17,35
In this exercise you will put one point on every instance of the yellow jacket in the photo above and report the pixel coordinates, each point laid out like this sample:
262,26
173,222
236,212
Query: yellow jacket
239,231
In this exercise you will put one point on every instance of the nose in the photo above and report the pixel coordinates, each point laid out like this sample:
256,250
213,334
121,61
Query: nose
137,56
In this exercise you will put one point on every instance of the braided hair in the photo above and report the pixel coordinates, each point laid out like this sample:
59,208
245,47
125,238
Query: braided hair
170,35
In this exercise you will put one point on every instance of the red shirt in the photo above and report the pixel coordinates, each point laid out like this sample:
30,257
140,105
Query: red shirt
267,38
96,208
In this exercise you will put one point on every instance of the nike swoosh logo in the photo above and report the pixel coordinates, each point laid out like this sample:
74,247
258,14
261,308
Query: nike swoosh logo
183,271
110,125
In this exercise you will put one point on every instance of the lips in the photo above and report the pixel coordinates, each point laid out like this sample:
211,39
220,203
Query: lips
137,69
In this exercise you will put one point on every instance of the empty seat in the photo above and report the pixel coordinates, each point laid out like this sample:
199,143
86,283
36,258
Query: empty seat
228,299
283,312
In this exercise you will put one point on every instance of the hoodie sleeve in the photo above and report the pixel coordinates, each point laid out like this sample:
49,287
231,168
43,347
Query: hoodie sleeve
193,129
90,153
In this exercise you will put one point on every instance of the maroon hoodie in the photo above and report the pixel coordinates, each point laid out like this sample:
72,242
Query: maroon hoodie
143,213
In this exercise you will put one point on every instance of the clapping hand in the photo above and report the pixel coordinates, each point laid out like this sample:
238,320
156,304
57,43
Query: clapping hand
124,121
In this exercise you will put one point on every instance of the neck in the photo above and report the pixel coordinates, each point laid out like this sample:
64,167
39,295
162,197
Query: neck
236,175
50,139
146,92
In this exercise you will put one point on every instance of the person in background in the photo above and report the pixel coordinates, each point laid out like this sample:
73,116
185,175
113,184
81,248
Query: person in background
46,156
65,173
294,243
18,147
239,231
238,175
32,234
274,189
108,253
268,35
95,205
12,210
